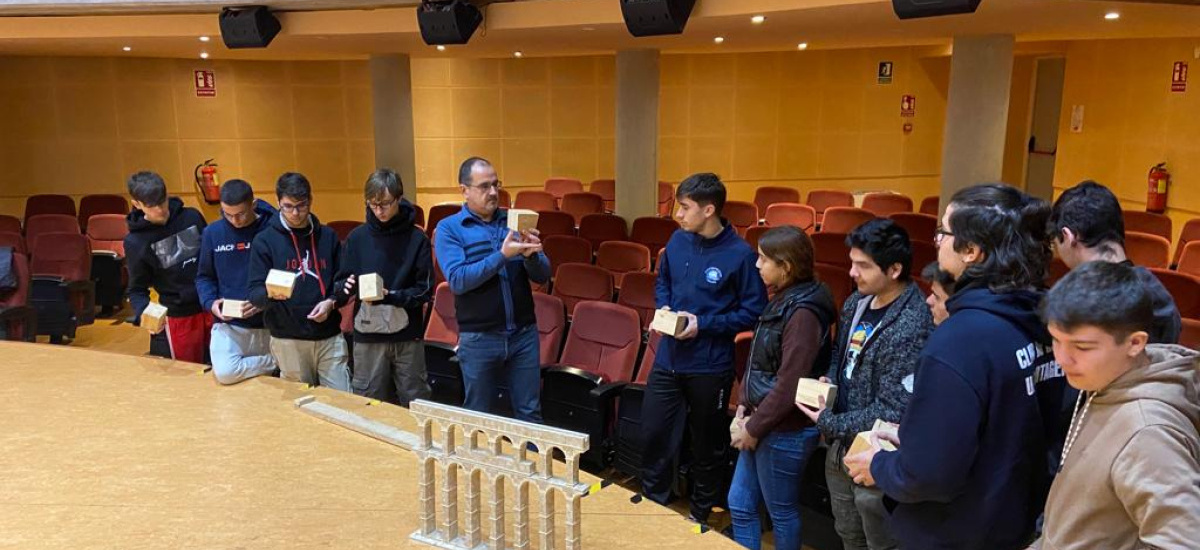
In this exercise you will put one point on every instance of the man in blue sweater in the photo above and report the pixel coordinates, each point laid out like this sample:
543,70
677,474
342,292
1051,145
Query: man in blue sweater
708,276
489,269
240,347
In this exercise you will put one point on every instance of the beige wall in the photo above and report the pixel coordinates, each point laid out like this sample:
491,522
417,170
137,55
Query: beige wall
1132,120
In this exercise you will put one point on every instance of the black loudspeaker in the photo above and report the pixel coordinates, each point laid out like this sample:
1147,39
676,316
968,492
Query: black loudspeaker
912,9
248,27
654,17
448,22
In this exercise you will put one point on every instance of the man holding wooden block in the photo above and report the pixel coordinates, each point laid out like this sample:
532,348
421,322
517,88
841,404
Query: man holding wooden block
240,347
388,263
292,267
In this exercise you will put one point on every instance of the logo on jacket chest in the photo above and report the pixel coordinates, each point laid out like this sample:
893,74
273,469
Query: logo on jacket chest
231,247
305,266
712,275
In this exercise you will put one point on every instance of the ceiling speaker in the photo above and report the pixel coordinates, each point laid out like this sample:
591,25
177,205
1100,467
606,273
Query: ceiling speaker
655,17
248,27
913,9
448,22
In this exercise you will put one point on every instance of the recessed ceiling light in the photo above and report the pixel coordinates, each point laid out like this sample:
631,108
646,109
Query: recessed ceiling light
441,48
127,48
758,19
204,39
203,55
802,46
1112,16
719,39
517,53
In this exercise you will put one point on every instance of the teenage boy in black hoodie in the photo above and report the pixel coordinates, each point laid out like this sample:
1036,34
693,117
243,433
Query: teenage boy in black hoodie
306,336
389,357
162,251
972,470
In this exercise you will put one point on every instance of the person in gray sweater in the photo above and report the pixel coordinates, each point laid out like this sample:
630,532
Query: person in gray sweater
883,327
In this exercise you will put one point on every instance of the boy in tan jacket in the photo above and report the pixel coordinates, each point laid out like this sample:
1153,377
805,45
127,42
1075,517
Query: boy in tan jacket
1130,474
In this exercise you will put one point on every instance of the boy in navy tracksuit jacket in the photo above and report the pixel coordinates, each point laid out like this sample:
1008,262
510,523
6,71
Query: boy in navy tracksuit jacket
239,346
708,275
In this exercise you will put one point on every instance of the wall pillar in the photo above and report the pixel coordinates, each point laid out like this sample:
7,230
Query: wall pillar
637,133
391,97
976,112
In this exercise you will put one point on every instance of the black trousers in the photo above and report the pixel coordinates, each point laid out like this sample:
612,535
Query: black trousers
699,402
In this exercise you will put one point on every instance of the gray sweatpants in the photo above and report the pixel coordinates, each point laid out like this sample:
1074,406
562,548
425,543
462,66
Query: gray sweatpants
858,513
239,353
391,371
313,361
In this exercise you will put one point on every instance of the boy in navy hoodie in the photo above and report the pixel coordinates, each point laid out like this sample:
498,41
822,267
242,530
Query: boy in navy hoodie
973,468
240,347
161,251
708,275
306,335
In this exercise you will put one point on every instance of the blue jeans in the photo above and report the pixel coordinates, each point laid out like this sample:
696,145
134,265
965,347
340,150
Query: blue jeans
486,356
771,473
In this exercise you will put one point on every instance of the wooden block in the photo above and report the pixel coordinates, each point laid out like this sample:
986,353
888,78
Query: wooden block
862,442
154,317
881,426
520,220
232,309
668,322
808,390
370,288
280,284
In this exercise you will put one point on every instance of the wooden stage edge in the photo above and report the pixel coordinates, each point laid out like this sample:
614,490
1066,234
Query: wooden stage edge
103,450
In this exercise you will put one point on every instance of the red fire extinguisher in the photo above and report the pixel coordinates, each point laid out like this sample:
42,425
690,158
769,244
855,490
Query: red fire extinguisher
1157,182
206,182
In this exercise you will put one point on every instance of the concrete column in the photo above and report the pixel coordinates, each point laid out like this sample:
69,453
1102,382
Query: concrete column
637,133
976,112
391,96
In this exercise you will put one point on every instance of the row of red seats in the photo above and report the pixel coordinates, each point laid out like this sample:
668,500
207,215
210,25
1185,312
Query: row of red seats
89,206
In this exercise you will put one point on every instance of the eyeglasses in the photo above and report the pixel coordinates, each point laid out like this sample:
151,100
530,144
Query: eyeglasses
941,233
487,187
384,205
298,207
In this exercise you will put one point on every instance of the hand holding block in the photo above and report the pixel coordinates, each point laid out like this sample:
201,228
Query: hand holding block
232,309
863,442
881,426
280,284
154,317
370,288
521,220
668,322
808,390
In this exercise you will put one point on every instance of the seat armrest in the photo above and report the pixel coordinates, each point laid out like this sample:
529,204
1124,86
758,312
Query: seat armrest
609,391
558,369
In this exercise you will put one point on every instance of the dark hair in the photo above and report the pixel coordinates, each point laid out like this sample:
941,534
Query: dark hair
147,188
885,242
464,169
790,246
1009,227
936,275
1092,212
383,180
293,185
1107,295
704,188
236,191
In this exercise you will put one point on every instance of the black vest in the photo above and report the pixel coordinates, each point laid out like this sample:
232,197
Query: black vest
766,351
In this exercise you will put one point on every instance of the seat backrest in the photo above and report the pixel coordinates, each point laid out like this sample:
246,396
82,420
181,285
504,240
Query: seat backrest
347,313
575,283
42,224
14,240
1147,222
920,227
559,187
765,196
930,205
91,205
581,204
418,215
653,232
539,201
505,198
66,255
823,199
791,213
837,278
553,222
443,325
343,228
647,363
1056,270
440,212
49,204
755,233
843,219
1190,335
603,340
563,249
20,295
10,223
107,232
599,228
621,257
666,199
1191,232
1184,288
741,356
552,323
923,253
1147,250
830,248
741,214
637,293
882,204
606,189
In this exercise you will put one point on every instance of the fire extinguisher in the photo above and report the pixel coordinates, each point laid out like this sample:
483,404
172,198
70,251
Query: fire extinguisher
206,182
1157,182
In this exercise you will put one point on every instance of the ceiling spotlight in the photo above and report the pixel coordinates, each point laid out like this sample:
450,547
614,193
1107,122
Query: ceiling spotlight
517,53
802,46
441,48
204,39
758,19
127,48
203,55
719,39
1112,16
